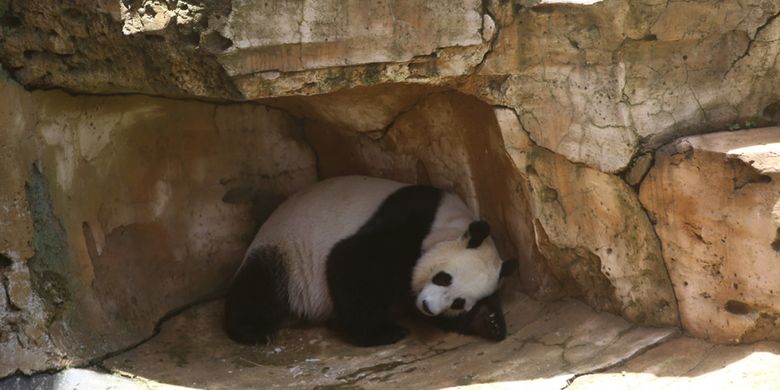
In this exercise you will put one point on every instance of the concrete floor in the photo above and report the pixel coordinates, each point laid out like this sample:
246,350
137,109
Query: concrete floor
548,347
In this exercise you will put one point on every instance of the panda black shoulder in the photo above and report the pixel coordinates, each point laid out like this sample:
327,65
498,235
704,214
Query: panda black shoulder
412,206
403,220
369,273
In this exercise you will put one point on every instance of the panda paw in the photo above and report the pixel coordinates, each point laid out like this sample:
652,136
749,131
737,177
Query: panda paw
379,335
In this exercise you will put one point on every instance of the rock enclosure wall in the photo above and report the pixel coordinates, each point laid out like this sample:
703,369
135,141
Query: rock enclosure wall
118,210
716,200
549,119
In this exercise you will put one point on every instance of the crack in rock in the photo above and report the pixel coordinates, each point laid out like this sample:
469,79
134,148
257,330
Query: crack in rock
750,43
623,360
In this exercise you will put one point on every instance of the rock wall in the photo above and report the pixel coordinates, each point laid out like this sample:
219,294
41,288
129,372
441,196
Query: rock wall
118,210
598,84
549,118
716,200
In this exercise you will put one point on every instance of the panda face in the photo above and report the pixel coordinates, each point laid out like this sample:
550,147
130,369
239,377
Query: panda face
436,296
453,275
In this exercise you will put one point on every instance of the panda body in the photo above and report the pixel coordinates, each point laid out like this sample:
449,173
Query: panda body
352,250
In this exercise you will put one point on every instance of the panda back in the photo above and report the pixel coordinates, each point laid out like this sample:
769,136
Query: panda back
307,225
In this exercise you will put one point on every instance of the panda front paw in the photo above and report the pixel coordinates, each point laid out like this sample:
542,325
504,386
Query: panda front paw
379,335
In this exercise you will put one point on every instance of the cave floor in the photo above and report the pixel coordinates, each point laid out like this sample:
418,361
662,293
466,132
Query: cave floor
549,346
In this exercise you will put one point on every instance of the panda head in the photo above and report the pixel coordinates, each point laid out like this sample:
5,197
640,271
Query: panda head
452,276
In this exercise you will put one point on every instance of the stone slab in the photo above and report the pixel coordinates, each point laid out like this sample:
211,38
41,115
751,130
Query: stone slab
77,378
302,35
546,346
688,363
715,200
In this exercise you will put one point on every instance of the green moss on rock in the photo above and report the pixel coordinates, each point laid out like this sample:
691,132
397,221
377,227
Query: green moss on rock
50,264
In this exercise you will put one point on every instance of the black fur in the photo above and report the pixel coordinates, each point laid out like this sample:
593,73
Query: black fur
442,279
458,304
478,232
508,267
485,319
369,274
256,304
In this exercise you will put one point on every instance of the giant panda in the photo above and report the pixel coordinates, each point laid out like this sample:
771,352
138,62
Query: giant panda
354,251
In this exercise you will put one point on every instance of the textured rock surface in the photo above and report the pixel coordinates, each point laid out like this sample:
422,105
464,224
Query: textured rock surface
75,378
591,231
595,83
117,210
546,346
541,115
598,239
679,363
309,47
687,363
716,202
81,46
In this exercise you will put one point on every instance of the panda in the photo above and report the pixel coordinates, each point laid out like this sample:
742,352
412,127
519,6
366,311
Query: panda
356,253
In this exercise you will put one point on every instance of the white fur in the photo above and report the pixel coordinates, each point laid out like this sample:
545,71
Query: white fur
475,275
452,219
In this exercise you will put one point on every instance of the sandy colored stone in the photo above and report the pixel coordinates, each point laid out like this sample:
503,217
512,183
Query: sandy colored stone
304,35
638,169
563,82
554,342
687,363
714,199
598,240
322,46
679,363
17,115
593,81
598,83
117,210
102,46
154,16
517,143
24,344
79,378
359,110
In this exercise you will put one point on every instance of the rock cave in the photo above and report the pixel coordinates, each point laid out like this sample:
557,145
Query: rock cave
626,152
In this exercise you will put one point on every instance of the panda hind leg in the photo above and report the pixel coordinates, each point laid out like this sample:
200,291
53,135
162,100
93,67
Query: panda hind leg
256,304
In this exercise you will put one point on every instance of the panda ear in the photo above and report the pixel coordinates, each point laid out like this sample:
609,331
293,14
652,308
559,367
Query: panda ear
508,267
478,232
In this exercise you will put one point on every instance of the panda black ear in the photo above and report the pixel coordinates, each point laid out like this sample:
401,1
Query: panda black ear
478,232
508,267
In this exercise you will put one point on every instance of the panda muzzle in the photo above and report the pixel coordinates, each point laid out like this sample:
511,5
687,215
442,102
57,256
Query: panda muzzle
426,309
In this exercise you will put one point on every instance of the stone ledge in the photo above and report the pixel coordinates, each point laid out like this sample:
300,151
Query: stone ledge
545,345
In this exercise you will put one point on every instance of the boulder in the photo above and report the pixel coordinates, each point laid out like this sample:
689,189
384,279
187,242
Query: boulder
715,200
597,239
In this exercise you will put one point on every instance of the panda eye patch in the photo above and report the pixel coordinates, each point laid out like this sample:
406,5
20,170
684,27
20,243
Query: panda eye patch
458,304
442,279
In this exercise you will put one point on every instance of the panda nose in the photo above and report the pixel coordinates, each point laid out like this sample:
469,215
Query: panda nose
425,308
